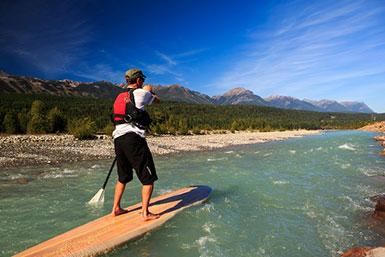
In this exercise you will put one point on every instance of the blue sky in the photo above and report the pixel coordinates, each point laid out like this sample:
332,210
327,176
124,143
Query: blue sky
306,49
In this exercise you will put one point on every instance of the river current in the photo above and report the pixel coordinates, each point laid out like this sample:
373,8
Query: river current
300,197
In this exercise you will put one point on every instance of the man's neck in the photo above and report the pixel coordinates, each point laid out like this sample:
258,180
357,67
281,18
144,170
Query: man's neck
133,85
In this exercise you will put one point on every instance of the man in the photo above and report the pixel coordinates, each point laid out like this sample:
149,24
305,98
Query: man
131,148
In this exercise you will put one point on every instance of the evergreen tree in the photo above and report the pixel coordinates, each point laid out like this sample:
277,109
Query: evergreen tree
234,126
38,123
183,127
24,119
11,124
56,120
171,117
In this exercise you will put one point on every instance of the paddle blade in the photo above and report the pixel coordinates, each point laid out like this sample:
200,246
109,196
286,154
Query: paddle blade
98,198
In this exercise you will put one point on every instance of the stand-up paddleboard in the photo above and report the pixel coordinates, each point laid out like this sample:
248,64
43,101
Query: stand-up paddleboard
101,235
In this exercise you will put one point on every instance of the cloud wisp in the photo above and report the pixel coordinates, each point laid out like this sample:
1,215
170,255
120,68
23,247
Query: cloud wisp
50,41
166,58
313,52
171,64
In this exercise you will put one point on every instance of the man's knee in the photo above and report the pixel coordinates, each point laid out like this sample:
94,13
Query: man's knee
124,179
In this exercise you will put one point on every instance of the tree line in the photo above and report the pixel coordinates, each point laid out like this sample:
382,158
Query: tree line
82,117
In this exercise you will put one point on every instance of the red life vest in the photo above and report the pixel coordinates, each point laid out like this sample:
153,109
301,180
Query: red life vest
125,111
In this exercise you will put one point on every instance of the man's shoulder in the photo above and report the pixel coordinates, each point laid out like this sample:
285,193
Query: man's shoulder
140,91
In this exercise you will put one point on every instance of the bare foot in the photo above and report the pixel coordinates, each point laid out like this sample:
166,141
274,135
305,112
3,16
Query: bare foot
118,211
150,216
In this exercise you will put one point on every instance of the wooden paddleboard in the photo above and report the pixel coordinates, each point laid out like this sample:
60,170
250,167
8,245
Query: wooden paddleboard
102,235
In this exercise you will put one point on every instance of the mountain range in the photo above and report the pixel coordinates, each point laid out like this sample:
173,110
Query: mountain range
109,90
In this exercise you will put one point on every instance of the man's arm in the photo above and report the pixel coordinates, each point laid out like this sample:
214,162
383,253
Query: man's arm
149,89
156,99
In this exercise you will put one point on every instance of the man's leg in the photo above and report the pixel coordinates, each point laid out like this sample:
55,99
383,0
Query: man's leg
119,189
146,196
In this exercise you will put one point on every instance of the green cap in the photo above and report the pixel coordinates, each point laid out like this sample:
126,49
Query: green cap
134,73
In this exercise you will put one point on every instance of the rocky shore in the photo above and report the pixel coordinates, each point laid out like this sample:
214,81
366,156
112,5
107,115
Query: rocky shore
379,200
376,127
380,128
27,150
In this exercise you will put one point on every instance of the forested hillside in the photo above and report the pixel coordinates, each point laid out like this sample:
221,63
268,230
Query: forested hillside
24,113
108,90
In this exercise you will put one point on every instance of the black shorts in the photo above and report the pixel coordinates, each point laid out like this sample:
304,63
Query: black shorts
132,152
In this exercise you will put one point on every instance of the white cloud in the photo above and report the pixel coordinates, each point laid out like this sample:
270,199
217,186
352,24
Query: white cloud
315,49
172,66
100,72
191,53
168,59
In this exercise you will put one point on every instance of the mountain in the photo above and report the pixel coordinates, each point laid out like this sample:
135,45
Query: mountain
288,102
28,85
357,107
334,106
328,105
243,96
109,90
239,96
181,94
101,89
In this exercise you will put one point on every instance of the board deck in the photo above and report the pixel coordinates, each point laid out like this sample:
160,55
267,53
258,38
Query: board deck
103,234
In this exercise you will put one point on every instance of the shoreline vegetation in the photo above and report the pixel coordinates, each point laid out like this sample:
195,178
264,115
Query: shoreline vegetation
29,150
43,129
83,117
50,149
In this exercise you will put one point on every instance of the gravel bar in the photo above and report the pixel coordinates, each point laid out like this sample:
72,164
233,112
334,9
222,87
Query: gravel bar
28,150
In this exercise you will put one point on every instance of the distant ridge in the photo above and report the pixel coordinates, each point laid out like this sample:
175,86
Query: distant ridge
288,102
239,96
328,105
357,107
109,90
243,96
181,94
28,85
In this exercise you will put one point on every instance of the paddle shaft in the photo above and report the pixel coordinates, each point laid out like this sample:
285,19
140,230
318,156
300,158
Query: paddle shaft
109,173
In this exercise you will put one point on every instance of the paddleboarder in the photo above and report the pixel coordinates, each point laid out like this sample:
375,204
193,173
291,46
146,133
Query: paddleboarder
131,148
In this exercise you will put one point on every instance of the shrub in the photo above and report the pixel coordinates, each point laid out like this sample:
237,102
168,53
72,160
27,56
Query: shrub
83,129
197,131
109,129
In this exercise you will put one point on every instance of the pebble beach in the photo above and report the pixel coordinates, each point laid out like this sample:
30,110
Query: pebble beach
28,150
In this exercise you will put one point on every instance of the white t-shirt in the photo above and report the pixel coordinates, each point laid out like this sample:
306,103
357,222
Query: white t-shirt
142,97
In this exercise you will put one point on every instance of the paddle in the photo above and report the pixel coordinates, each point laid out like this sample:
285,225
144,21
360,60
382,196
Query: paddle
99,196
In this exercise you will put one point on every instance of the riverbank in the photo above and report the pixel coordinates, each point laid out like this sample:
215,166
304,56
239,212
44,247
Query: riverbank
380,128
376,127
28,150
379,212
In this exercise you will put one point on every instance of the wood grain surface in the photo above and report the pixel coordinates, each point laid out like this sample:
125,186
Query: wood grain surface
103,234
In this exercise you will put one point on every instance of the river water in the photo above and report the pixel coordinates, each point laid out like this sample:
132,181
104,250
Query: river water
299,197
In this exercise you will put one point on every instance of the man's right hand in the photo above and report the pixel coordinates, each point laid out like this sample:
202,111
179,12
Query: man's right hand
148,88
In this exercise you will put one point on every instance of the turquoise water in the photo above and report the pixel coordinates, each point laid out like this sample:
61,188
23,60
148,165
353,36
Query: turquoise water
299,197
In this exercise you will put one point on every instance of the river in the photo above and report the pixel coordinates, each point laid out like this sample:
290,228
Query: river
299,197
